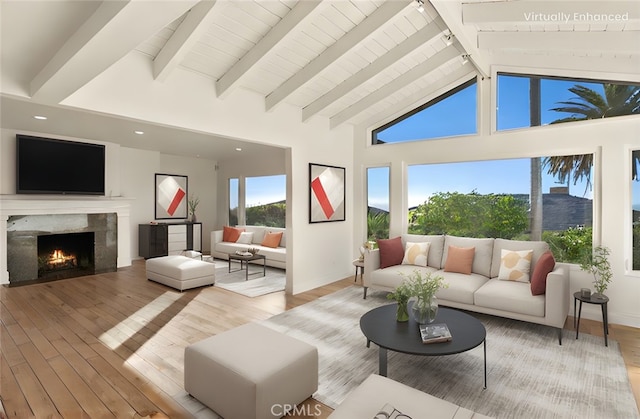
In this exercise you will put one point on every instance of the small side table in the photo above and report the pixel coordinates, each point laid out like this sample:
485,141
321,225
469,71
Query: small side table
577,296
359,264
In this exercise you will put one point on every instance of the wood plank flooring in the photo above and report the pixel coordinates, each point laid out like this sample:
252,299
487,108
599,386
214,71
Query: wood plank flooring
112,345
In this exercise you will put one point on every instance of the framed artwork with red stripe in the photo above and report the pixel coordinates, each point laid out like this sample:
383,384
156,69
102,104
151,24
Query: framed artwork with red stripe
171,196
326,193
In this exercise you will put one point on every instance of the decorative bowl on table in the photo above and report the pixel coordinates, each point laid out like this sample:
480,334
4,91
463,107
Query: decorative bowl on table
253,250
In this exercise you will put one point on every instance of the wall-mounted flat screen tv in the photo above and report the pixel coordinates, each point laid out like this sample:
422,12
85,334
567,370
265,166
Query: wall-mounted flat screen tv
49,166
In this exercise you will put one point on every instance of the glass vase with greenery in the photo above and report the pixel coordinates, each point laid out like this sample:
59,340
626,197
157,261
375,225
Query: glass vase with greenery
401,295
422,288
193,202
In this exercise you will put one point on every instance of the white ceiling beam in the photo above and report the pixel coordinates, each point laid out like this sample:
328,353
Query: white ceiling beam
612,42
410,44
111,32
598,68
191,29
528,11
417,72
286,27
419,98
451,13
372,23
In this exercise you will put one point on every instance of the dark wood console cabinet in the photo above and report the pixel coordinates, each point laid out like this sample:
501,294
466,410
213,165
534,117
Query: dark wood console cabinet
164,239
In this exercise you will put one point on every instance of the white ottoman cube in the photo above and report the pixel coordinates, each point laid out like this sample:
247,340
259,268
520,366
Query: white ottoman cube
251,371
180,272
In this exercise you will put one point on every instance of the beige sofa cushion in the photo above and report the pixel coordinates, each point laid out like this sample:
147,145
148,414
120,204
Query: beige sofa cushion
538,248
392,276
461,288
510,296
484,251
436,248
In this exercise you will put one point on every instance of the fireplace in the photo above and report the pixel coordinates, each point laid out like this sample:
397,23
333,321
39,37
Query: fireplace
66,255
58,246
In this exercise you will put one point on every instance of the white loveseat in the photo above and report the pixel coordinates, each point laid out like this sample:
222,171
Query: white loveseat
481,291
275,256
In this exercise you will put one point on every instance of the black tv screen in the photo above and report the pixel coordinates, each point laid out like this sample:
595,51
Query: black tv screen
48,166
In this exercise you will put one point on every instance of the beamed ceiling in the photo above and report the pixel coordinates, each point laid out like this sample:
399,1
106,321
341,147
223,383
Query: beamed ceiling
359,62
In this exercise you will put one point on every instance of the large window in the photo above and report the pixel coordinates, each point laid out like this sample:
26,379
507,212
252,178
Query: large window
265,200
451,114
260,201
377,203
494,199
527,101
234,195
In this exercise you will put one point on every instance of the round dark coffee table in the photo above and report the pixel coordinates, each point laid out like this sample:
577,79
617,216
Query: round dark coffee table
380,327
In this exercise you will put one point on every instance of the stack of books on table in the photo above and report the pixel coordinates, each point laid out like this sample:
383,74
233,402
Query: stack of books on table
435,333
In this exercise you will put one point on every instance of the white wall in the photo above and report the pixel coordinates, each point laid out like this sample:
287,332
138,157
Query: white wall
130,174
317,254
609,139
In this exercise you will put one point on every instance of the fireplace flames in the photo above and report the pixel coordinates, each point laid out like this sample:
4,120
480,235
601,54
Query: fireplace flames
59,260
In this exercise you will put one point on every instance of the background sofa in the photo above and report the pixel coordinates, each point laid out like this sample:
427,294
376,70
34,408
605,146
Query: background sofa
275,256
481,290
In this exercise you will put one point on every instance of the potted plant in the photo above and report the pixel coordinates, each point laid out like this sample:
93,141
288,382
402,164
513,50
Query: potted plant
193,204
423,287
401,295
597,263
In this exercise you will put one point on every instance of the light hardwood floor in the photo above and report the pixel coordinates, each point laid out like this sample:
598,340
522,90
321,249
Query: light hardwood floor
111,345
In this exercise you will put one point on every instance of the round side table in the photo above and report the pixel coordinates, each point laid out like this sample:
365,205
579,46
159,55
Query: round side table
359,264
577,296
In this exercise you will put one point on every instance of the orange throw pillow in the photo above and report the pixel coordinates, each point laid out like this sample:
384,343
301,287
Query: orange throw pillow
459,259
231,234
272,239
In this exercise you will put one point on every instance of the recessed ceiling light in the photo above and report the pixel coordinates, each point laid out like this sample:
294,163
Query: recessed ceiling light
40,117
238,149
138,132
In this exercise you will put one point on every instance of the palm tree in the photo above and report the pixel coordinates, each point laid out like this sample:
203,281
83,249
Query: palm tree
617,100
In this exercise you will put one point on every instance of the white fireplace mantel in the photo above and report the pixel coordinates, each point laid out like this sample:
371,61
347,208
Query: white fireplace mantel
44,205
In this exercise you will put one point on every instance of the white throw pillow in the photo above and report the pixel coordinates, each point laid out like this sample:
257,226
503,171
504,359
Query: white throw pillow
245,237
515,265
416,253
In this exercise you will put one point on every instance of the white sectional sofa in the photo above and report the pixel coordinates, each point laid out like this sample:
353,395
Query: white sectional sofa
481,290
275,256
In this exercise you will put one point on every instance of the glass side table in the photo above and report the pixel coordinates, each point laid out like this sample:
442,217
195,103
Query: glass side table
602,301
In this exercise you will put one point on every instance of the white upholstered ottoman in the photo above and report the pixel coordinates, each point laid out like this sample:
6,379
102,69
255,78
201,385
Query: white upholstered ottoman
180,272
251,372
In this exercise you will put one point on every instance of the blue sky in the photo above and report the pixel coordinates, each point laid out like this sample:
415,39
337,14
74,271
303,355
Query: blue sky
483,176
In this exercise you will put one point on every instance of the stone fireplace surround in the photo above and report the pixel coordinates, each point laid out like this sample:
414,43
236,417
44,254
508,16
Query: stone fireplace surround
18,205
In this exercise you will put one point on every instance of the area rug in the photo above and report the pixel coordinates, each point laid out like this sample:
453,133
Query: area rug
257,285
528,374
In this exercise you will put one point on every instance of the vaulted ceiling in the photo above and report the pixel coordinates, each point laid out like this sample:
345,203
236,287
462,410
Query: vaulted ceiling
353,62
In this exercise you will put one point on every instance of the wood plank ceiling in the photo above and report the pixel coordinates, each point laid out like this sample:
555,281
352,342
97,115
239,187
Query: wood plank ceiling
358,62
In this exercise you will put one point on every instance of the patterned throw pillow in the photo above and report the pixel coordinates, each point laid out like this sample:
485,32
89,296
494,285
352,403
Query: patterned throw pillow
515,265
416,253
